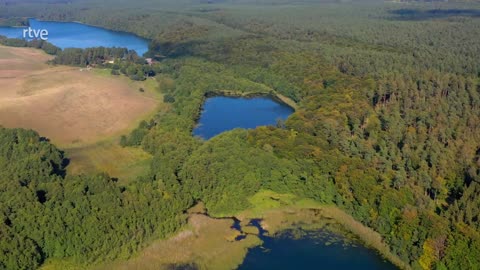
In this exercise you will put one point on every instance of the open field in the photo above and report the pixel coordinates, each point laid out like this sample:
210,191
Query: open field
83,112
65,104
124,163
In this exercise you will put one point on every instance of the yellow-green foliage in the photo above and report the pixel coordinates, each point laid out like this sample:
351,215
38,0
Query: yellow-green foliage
267,200
124,163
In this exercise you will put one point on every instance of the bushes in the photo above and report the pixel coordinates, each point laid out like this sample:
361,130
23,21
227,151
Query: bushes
125,61
91,56
38,44
135,138
168,98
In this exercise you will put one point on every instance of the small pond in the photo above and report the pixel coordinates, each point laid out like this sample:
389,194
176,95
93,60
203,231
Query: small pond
222,113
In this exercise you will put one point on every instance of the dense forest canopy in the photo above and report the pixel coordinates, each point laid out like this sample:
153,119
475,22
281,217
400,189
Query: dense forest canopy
387,127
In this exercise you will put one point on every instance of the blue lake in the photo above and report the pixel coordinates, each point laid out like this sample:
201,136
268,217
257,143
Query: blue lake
312,250
226,113
77,35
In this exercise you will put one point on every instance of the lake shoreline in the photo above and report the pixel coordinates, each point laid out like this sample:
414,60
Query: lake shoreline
274,96
271,222
224,241
237,100
92,26
367,236
277,210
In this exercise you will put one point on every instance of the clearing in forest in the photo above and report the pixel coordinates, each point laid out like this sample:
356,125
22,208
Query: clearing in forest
68,105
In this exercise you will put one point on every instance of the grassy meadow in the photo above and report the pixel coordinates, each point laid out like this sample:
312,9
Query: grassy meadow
83,111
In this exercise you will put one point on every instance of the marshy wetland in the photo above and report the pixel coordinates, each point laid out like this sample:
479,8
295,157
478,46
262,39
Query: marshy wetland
301,235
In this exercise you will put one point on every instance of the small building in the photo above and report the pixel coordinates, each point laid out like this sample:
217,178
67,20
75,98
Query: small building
149,61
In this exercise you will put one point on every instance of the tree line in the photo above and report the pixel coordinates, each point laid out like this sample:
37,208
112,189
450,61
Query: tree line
37,44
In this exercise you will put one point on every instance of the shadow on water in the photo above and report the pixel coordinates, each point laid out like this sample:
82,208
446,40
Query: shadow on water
419,15
254,222
258,223
236,224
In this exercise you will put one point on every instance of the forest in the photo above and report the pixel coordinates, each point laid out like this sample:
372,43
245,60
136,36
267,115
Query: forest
387,127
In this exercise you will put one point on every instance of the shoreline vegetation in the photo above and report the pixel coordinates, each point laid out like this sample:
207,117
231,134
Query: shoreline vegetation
277,97
272,95
368,236
233,236
279,211
14,22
